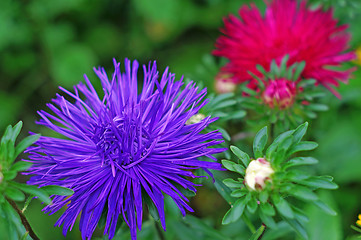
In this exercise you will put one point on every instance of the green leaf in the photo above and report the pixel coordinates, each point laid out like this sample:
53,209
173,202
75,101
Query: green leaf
263,196
229,182
200,225
228,165
299,132
303,193
299,70
300,230
252,205
57,190
268,220
16,130
21,166
260,142
268,209
272,148
324,207
317,107
239,192
151,207
224,191
43,196
297,176
9,175
258,233
303,146
14,194
25,143
282,206
320,182
235,212
241,155
300,161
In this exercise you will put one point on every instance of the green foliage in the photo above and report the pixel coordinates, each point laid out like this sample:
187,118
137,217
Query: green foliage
13,191
284,188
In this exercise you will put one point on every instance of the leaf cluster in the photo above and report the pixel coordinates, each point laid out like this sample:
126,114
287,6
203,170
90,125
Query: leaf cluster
289,185
12,191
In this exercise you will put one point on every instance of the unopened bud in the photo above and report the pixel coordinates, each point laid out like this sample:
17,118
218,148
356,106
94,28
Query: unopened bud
195,119
257,173
280,93
224,83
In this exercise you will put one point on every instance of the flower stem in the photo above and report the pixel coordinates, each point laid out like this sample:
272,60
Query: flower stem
24,221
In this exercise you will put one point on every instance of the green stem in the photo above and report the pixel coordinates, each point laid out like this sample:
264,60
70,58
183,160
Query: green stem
24,221
249,224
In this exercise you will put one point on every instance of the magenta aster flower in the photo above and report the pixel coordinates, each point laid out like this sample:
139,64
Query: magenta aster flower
123,146
305,34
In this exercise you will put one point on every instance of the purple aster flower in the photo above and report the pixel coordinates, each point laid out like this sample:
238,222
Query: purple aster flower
123,146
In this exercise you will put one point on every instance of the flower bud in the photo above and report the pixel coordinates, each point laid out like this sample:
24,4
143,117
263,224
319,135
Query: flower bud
224,83
257,172
279,93
195,119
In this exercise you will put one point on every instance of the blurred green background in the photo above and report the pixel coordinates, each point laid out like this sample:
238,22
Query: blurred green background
44,44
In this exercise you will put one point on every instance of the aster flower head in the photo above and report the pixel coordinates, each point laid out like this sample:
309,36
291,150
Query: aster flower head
123,147
287,28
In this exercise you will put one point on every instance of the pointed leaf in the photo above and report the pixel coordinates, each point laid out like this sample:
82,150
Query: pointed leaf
260,142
